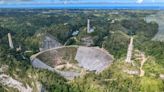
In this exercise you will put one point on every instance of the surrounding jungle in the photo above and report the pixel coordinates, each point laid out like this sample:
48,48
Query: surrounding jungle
112,32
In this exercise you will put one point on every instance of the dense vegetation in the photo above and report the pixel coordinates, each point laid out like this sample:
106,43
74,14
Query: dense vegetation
113,29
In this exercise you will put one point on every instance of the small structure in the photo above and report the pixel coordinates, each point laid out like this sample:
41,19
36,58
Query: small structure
91,30
87,41
49,42
113,21
75,33
161,76
131,72
129,52
10,41
19,48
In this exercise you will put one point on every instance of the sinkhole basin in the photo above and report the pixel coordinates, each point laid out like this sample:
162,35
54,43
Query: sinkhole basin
73,61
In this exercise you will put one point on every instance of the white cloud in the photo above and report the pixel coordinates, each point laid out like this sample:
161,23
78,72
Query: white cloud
140,1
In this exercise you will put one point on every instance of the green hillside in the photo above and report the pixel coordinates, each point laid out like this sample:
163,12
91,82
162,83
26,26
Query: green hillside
112,32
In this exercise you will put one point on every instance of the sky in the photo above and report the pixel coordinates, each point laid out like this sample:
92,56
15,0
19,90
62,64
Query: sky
77,3
92,1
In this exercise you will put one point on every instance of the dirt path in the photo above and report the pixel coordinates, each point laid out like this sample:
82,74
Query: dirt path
143,60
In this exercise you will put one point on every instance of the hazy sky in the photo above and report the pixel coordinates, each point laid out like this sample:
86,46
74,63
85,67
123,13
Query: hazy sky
47,1
35,3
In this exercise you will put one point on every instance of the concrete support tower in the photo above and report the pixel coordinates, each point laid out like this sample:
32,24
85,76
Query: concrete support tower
10,41
129,52
88,26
